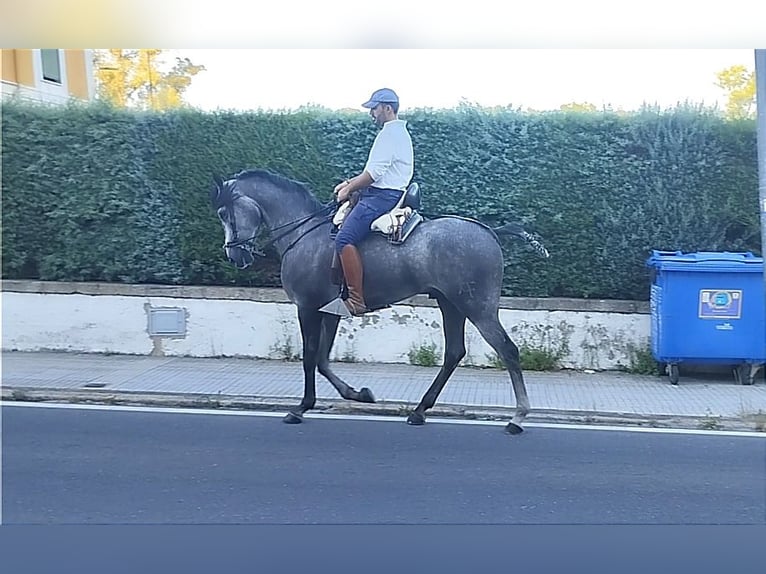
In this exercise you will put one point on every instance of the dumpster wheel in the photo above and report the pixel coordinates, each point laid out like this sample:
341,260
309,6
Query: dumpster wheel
672,370
744,373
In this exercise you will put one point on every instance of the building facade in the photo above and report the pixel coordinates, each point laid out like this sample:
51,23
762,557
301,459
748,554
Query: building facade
48,75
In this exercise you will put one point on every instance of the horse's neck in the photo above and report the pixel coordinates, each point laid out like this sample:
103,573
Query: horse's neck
282,208
282,212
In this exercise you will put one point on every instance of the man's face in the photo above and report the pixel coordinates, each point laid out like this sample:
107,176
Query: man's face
379,114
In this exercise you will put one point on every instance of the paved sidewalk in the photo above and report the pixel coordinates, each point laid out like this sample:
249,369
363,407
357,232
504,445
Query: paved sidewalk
564,396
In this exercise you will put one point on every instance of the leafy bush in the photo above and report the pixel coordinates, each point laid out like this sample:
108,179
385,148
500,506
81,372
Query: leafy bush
642,362
424,355
98,194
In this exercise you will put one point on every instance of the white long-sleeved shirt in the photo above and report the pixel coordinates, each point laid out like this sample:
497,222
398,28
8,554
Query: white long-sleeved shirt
391,161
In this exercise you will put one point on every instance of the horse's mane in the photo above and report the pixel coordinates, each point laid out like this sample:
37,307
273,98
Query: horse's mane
275,179
301,192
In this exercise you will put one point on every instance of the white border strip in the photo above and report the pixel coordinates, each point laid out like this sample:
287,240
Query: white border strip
379,418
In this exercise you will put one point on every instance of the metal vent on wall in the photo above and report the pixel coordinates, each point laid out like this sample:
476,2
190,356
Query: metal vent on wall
167,322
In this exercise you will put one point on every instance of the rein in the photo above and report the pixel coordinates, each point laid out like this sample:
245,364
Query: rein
291,225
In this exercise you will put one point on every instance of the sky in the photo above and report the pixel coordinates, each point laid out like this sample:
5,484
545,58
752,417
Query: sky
540,79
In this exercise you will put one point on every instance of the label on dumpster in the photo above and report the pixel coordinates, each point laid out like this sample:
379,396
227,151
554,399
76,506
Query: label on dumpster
720,304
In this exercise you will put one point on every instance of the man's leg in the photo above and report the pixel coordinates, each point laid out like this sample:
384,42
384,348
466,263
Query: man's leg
351,262
355,228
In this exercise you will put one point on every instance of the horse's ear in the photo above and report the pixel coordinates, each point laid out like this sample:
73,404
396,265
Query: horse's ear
215,190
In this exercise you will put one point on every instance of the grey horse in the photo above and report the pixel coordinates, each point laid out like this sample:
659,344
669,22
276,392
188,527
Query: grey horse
455,260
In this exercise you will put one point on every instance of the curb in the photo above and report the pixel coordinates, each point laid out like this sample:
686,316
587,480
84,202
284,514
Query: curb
750,423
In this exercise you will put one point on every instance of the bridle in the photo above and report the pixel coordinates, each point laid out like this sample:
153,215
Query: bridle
249,244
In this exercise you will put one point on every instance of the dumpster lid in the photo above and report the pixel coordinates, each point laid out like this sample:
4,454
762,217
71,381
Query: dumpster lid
706,261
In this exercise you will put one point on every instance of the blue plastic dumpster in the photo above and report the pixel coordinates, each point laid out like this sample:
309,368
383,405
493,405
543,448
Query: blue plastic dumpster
708,307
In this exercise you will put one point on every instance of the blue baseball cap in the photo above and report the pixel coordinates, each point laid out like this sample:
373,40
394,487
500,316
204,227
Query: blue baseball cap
382,96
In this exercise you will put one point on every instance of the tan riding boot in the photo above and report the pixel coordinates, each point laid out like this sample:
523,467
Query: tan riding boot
351,262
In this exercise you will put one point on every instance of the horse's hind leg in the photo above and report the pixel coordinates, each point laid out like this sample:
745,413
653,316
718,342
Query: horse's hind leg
310,322
454,351
329,330
494,333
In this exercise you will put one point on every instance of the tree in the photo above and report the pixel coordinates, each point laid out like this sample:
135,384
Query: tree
578,107
135,78
739,84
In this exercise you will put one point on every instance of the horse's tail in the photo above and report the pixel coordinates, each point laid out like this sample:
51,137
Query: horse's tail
517,230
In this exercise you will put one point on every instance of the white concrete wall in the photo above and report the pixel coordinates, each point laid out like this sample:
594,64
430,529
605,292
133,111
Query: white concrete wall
227,327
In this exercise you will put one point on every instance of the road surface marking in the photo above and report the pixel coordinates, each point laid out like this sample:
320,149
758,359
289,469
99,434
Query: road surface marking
379,418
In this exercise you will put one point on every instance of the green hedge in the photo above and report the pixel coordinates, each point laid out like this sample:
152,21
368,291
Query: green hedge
96,194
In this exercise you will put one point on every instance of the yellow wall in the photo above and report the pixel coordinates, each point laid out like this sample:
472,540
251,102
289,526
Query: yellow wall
9,65
25,71
17,67
76,73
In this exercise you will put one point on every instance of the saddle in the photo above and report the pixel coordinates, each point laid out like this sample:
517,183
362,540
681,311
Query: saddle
396,224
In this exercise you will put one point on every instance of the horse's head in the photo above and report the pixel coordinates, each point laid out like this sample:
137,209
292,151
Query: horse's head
241,219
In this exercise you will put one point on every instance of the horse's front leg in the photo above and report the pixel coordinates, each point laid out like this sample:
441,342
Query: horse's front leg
310,321
329,330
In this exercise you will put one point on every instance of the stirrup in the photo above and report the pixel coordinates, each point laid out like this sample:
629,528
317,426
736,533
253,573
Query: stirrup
336,307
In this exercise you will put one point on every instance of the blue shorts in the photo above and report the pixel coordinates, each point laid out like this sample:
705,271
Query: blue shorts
373,203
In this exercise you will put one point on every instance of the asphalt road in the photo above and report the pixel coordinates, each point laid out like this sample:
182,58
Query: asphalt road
78,466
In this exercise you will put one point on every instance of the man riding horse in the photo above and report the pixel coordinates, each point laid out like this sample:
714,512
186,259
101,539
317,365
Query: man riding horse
385,177
458,261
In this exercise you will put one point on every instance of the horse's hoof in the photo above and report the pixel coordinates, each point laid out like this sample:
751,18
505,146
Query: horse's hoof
366,396
513,428
292,419
416,419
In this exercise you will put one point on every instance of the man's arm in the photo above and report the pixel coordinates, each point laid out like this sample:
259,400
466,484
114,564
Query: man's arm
345,188
379,161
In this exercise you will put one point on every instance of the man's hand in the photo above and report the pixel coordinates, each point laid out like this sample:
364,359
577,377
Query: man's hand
343,190
340,186
344,193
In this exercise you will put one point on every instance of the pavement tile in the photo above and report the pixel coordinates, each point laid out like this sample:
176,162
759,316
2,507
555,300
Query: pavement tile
603,392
